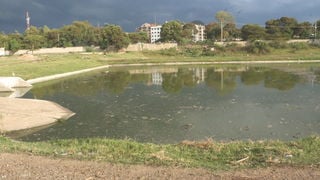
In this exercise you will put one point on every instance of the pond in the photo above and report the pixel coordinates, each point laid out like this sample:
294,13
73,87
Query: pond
172,104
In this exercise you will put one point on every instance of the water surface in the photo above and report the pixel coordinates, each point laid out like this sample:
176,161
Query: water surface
171,104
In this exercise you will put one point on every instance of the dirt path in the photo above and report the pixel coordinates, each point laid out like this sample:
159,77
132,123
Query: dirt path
21,166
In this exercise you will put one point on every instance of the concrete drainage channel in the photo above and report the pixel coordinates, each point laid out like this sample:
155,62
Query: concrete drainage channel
18,114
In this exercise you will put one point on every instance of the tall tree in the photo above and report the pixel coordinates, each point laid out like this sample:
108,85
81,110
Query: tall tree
172,31
33,39
15,41
223,18
4,39
138,37
79,33
188,30
113,38
303,30
213,31
253,32
282,28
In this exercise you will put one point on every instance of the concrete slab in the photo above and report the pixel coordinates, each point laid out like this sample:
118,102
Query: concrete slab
16,93
18,114
13,82
5,89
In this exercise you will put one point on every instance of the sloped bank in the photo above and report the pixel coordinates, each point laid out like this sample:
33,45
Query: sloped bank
18,114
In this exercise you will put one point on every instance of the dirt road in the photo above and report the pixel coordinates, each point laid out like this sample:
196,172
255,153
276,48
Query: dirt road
22,166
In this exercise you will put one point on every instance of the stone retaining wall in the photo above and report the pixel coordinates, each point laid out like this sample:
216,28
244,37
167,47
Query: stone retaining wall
52,50
150,47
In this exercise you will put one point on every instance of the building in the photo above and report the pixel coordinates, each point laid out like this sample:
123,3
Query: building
152,30
200,34
155,33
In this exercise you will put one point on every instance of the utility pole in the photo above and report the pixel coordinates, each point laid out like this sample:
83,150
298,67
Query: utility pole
315,30
221,30
27,21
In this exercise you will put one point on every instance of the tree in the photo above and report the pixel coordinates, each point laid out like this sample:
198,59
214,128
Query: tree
33,39
303,30
172,31
282,28
14,42
213,31
188,30
79,33
231,31
4,39
113,38
138,37
223,18
33,42
253,32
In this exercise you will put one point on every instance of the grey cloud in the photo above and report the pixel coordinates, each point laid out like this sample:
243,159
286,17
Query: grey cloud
130,14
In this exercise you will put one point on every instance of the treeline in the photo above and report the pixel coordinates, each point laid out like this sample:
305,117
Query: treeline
79,33
113,38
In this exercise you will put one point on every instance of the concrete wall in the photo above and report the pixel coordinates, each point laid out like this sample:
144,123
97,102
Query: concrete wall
3,52
13,82
150,47
52,50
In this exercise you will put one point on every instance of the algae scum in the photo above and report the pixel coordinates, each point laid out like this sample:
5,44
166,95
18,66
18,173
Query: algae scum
172,104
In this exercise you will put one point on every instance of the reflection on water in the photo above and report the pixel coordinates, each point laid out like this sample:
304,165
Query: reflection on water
168,105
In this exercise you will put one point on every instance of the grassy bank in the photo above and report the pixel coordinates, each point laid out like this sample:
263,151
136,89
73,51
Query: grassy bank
208,154
44,65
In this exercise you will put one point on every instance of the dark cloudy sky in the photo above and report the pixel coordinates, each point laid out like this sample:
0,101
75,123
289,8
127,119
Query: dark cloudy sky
129,14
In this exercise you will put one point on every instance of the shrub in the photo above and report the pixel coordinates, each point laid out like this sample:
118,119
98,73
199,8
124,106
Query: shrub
277,44
258,47
169,52
299,45
193,51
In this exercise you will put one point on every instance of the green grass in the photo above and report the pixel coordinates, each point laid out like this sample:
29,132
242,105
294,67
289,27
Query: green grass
209,154
61,63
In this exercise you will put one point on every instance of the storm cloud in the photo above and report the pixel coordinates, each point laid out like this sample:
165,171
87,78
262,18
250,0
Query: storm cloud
130,14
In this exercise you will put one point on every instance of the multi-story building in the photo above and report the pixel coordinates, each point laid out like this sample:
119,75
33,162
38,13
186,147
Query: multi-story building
200,34
155,33
152,30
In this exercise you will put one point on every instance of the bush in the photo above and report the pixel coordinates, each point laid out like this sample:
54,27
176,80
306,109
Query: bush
169,52
258,47
315,43
299,45
233,47
194,51
277,44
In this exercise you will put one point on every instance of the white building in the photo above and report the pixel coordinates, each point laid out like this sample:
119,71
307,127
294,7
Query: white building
155,33
200,35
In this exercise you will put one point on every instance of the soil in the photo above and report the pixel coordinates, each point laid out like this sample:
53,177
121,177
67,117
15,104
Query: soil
23,166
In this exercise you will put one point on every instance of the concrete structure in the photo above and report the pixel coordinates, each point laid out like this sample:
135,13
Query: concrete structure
52,51
16,93
3,52
13,87
151,30
200,34
18,114
13,82
150,47
155,33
